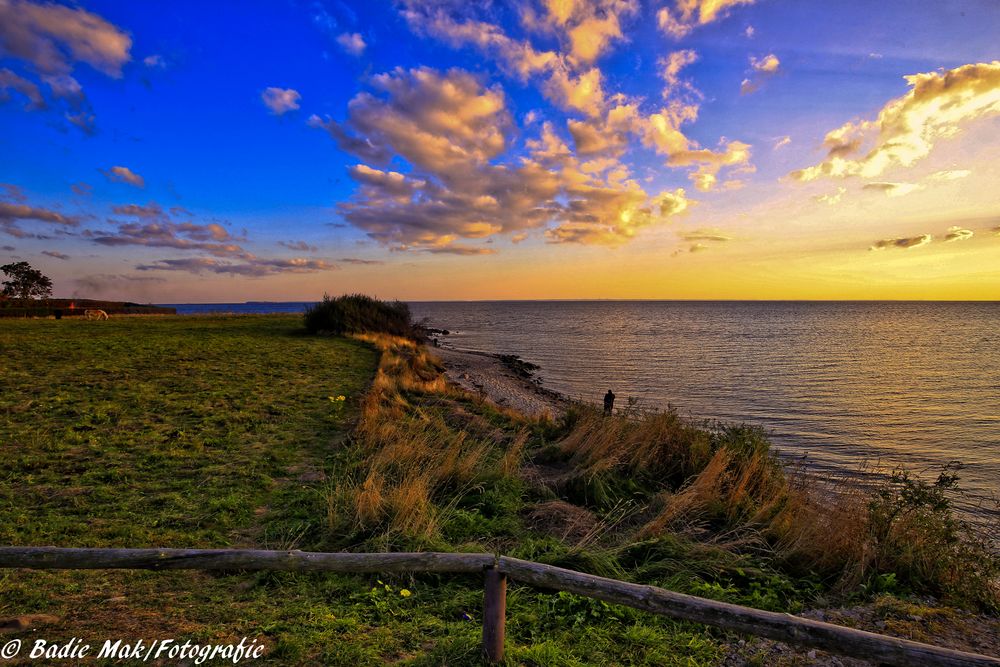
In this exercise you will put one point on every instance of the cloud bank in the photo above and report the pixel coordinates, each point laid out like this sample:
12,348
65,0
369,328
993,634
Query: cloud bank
937,107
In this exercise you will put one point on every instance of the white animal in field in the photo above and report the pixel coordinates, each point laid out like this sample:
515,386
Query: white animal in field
95,314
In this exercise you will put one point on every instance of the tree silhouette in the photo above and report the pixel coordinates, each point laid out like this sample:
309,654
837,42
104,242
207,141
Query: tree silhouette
25,283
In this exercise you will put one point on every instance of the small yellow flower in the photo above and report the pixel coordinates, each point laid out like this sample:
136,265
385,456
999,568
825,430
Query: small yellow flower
341,398
405,593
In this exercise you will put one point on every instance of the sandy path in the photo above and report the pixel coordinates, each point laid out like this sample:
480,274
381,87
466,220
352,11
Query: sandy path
484,373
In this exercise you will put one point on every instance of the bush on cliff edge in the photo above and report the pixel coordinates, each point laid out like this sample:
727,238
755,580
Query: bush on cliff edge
357,313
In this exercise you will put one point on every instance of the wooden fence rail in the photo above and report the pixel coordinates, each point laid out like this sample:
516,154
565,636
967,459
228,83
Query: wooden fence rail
496,570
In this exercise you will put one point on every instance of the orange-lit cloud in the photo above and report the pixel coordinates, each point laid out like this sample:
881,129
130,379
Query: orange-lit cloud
121,174
211,238
438,121
670,69
762,69
12,213
52,37
589,25
150,210
581,93
937,107
517,56
608,135
453,130
686,15
571,82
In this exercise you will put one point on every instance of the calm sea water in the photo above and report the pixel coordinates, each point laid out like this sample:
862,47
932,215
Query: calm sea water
914,384
842,384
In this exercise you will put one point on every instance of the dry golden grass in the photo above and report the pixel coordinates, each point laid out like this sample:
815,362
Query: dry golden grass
425,445
418,457
726,478
659,444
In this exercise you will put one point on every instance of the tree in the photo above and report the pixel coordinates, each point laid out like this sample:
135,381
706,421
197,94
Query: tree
25,282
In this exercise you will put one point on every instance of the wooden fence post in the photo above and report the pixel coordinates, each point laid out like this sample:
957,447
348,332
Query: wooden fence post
494,614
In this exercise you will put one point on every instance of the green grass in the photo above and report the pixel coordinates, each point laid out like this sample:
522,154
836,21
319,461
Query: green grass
218,432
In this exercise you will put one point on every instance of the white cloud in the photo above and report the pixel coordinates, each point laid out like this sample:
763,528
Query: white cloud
832,198
893,189
949,175
957,233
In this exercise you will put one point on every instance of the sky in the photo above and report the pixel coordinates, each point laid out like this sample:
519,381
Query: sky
531,149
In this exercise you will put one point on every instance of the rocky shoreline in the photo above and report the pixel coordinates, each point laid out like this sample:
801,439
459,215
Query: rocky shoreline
505,379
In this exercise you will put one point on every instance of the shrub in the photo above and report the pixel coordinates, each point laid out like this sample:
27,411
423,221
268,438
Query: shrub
357,313
917,536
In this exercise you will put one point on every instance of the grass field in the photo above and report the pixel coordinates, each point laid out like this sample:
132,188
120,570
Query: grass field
245,432
221,432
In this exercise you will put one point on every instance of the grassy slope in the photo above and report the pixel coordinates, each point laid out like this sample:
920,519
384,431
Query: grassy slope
211,432
214,432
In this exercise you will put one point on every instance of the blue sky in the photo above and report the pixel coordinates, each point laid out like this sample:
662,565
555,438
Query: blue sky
685,178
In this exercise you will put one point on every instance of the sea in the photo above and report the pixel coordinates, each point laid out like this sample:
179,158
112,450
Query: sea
845,388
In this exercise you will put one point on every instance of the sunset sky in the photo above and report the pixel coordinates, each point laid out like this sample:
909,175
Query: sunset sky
677,149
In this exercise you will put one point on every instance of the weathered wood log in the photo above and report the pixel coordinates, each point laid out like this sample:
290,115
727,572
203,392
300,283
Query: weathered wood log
782,627
494,615
47,558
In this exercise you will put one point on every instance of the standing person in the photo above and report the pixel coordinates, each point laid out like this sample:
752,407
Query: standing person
609,402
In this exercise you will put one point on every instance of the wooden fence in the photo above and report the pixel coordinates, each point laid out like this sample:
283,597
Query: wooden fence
496,571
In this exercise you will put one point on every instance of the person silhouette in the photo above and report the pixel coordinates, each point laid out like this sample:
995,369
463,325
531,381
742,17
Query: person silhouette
609,402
